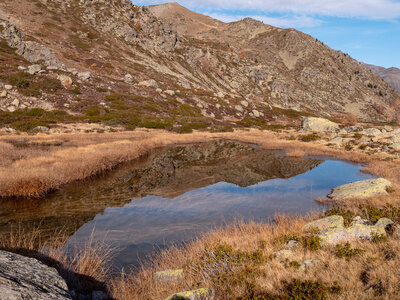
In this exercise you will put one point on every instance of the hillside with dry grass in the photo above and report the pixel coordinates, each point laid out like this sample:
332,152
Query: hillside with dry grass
120,65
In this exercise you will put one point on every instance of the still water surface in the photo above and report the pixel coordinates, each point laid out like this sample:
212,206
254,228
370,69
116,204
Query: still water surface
174,194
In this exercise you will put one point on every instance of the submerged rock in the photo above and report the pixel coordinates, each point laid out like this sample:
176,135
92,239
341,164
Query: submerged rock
200,294
325,223
26,278
361,189
168,275
318,125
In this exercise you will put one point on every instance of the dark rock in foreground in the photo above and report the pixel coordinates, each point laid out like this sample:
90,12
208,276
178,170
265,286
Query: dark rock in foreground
26,278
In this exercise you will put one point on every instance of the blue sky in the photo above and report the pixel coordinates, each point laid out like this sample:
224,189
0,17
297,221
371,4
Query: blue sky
368,30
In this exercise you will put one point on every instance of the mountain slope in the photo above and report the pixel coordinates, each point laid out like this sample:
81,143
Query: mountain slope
167,67
390,75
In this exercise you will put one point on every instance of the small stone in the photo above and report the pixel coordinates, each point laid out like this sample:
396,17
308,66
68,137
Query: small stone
3,94
41,128
244,103
8,87
282,254
11,108
33,69
66,81
170,92
84,76
200,294
21,68
256,113
372,131
292,244
15,102
128,78
388,128
396,146
149,83
305,264
218,106
66,105
158,90
169,275
239,108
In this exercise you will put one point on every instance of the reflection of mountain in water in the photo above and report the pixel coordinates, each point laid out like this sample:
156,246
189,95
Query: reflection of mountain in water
165,172
182,169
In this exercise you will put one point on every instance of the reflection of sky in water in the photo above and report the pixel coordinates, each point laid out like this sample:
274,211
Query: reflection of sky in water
157,220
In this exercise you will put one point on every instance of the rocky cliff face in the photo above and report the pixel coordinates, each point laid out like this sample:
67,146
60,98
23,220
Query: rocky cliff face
165,66
390,75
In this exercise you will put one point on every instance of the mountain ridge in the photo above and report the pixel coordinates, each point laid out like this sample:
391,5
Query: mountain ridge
146,69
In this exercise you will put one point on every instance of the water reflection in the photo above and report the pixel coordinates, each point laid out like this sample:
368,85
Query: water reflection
173,194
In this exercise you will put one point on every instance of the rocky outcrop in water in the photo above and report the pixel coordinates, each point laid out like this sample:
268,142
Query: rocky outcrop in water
26,278
361,189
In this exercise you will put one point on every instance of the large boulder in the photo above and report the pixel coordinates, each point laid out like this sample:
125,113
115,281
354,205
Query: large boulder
361,189
318,125
359,229
325,223
26,278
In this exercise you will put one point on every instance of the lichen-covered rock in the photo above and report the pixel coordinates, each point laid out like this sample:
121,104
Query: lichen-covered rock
200,294
325,223
359,229
372,131
168,275
282,254
361,189
318,125
26,278
149,83
66,81
305,264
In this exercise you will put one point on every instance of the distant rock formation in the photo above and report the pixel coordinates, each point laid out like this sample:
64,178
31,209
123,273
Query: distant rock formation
390,75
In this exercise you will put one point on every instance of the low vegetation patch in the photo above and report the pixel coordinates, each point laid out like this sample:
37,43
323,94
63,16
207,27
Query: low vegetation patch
345,251
310,137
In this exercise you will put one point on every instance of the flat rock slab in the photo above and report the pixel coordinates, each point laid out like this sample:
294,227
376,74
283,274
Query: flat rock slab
361,189
27,278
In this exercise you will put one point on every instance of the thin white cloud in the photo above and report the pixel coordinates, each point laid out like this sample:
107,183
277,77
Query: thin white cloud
366,9
284,22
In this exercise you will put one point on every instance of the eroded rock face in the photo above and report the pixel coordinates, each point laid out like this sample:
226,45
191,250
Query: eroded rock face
30,50
318,125
26,278
361,189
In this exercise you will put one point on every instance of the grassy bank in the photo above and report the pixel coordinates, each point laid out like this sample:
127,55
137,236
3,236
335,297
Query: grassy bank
238,261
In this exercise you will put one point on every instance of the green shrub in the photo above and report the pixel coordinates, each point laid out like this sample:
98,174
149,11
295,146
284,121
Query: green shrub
92,112
312,243
346,214
310,137
345,251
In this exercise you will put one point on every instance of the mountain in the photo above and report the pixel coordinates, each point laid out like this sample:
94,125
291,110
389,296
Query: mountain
390,75
165,66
